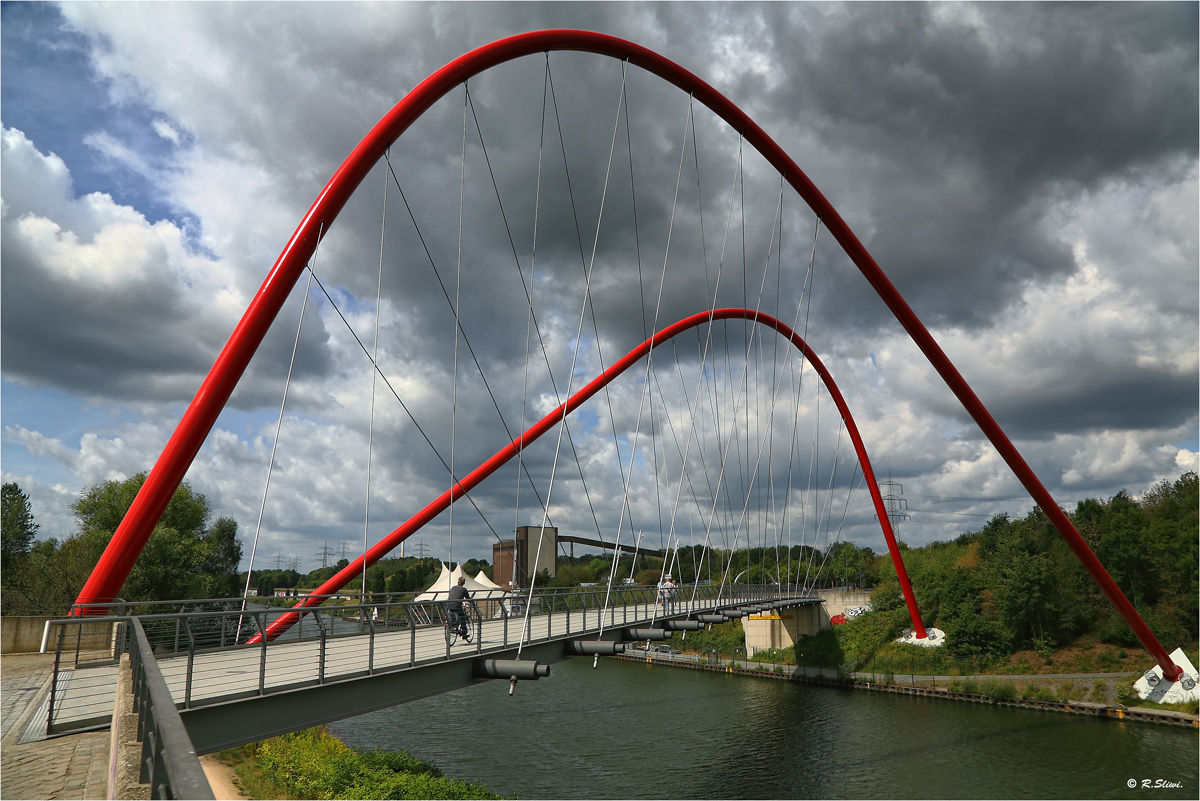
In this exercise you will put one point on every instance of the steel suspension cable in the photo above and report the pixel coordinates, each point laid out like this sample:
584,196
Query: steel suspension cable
529,297
374,358
333,304
587,288
450,303
275,444
662,280
462,184
585,263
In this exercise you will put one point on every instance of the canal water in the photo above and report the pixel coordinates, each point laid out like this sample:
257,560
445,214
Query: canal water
632,730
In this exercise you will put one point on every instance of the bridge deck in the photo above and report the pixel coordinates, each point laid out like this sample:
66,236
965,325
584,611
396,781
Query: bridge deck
236,674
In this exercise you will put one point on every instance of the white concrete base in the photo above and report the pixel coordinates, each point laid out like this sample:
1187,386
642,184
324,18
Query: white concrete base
1170,692
934,638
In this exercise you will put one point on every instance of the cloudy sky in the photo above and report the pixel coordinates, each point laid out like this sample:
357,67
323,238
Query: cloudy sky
1025,174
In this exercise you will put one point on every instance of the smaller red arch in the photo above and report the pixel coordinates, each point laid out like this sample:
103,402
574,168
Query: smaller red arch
475,477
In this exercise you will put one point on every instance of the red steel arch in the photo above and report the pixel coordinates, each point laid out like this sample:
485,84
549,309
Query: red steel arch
131,536
475,477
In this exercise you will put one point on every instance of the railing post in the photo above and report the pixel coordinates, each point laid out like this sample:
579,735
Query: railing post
478,628
412,636
321,658
54,680
262,659
191,661
371,646
78,640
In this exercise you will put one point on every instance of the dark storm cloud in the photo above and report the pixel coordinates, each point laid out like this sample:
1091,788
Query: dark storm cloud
969,132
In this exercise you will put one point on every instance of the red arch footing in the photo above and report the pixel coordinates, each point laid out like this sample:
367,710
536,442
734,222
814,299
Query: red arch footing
131,536
473,479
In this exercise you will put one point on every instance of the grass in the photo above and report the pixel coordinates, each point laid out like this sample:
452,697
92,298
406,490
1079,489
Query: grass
1191,707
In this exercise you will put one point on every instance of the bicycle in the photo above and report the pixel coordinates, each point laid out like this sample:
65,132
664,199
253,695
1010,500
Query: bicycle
458,626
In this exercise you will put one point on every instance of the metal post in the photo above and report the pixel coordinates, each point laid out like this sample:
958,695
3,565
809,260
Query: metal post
262,660
321,660
371,645
54,681
412,636
191,661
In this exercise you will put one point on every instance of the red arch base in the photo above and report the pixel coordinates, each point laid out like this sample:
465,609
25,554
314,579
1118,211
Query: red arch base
473,479
131,536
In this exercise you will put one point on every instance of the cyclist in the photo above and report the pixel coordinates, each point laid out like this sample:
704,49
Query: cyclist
458,616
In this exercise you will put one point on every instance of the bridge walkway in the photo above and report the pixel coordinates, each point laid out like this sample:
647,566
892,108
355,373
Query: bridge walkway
241,693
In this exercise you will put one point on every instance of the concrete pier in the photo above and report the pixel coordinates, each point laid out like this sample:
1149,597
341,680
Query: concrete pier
781,628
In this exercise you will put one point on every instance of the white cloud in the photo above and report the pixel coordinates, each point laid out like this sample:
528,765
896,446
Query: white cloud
167,131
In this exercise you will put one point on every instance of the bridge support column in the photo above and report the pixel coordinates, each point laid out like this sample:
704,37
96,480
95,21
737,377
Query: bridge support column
780,628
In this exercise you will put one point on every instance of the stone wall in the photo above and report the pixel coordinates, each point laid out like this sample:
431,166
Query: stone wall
23,635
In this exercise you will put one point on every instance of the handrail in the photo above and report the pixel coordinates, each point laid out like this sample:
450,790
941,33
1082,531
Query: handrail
207,636
169,762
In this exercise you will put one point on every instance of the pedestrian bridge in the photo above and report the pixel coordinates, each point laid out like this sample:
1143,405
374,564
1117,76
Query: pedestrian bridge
342,660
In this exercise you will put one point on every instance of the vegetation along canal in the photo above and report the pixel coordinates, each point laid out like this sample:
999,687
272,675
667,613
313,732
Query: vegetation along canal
631,730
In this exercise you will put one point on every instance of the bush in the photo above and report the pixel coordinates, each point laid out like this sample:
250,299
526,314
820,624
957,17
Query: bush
314,764
1038,692
999,690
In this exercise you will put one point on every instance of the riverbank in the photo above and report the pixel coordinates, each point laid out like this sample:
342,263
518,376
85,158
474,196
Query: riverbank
222,778
999,689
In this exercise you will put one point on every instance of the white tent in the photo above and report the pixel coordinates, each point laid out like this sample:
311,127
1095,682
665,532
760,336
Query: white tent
487,582
440,589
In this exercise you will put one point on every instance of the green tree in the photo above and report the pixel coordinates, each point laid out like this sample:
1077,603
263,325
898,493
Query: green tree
18,527
182,559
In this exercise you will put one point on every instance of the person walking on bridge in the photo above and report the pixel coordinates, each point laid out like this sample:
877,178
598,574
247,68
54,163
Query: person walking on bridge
666,594
458,616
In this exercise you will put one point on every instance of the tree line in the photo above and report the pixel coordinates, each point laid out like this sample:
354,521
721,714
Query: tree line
188,555
1015,584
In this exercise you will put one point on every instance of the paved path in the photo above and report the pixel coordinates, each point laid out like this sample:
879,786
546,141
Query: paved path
75,766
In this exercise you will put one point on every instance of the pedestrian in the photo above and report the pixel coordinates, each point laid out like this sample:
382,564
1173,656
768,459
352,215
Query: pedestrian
666,594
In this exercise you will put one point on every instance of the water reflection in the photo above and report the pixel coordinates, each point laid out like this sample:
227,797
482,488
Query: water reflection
629,730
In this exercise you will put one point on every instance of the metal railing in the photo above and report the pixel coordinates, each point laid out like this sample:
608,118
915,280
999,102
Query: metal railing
169,763
87,655
205,657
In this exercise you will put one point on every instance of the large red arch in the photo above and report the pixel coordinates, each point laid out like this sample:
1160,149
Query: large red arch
131,536
476,476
